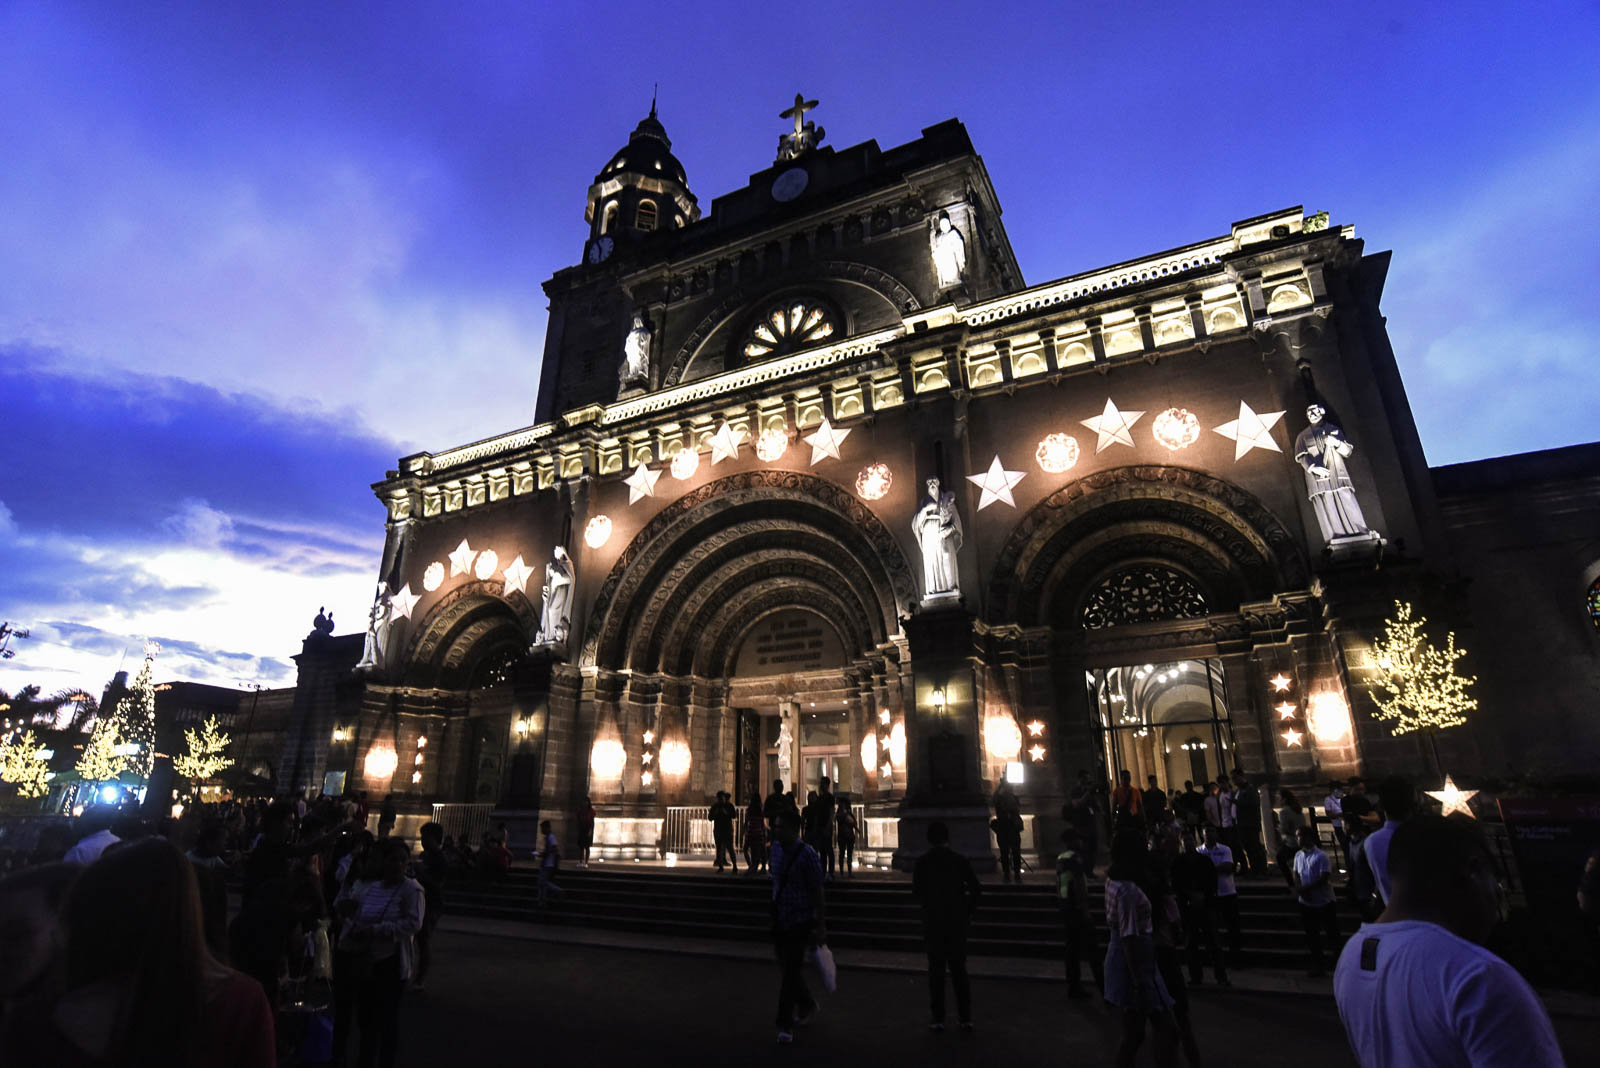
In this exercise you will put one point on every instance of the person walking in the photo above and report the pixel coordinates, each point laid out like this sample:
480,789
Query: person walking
549,858
1291,820
1007,826
755,835
586,818
1221,858
846,821
381,933
1133,983
430,873
947,890
1247,816
1072,893
722,814
797,919
1417,987
1313,889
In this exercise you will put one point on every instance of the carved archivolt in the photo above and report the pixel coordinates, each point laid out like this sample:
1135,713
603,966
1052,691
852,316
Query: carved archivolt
885,285
1216,532
788,520
453,630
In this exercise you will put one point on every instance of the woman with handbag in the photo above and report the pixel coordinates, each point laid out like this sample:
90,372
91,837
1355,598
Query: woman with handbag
379,939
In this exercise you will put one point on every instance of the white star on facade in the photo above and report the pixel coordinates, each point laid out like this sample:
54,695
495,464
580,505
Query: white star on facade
1286,710
461,559
1036,753
403,602
1292,737
1453,799
825,442
724,444
642,483
517,574
1113,427
1280,683
996,484
1250,430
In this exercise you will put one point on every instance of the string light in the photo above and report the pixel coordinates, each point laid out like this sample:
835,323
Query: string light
1415,684
1057,453
874,481
1176,428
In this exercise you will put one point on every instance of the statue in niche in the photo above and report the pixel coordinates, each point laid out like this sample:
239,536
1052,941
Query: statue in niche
1321,449
636,353
949,251
937,528
785,743
377,643
555,618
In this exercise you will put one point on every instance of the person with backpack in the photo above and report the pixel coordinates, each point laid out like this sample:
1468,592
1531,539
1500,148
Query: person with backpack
797,919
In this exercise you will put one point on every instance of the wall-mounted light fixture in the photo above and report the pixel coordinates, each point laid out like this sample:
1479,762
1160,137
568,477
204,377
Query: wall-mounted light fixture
522,726
341,734
936,699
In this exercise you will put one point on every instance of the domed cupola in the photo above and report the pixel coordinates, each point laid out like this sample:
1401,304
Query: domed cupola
640,190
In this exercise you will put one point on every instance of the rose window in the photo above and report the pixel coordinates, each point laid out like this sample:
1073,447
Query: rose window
787,328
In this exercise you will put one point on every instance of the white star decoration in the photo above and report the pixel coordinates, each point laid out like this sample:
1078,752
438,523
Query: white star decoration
825,442
1292,736
1113,427
642,483
403,602
1280,683
517,574
461,559
1251,431
1453,799
996,484
724,444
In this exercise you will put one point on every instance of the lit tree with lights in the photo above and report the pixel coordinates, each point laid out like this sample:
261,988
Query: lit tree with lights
206,755
135,715
1415,683
22,765
100,761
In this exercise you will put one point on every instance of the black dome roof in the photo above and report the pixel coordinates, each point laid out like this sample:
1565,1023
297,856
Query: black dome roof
648,151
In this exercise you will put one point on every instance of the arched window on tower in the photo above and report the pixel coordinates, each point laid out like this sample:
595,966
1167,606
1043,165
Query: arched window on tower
645,217
1592,603
608,218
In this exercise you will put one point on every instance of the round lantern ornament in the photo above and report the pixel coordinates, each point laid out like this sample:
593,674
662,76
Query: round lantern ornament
874,481
1057,453
1176,428
486,565
597,531
772,444
685,464
433,577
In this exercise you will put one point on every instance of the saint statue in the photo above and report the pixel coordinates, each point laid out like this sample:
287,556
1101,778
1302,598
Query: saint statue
1322,450
636,353
949,250
937,528
785,742
556,617
377,642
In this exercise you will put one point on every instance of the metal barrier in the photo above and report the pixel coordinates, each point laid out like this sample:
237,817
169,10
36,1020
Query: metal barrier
463,822
687,830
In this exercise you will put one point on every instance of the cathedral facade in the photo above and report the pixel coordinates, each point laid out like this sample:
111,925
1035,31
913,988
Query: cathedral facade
818,487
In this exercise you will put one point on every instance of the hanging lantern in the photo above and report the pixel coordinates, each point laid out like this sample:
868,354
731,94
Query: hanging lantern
597,531
486,565
685,464
1176,428
772,444
874,481
1057,453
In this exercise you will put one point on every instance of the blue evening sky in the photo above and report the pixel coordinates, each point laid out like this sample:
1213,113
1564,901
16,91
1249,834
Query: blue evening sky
250,253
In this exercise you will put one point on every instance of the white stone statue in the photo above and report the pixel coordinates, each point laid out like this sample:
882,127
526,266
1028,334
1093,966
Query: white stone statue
937,527
555,618
378,620
949,251
636,353
785,743
1322,450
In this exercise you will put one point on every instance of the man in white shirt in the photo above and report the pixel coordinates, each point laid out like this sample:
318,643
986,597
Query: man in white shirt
1221,858
1398,800
1417,988
91,845
1313,889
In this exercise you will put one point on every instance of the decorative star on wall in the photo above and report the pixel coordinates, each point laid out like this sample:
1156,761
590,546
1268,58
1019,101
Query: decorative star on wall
724,444
996,484
1251,430
1037,753
1114,427
1292,737
642,483
461,559
825,442
403,602
1035,729
1286,710
1453,798
1280,683
517,575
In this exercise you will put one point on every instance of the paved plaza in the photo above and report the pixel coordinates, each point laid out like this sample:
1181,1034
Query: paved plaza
497,993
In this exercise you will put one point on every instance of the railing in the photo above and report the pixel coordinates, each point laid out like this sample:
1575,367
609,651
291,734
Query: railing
688,831
466,823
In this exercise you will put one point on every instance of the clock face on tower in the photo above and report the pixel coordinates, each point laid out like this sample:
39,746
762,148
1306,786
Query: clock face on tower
599,249
790,184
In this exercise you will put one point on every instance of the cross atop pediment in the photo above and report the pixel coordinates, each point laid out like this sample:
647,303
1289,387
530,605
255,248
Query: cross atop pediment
806,135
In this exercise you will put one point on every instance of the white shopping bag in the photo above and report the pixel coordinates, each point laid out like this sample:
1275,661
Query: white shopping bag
821,958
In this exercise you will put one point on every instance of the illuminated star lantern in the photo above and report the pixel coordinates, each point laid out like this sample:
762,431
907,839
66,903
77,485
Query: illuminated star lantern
461,559
1280,683
1036,753
724,444
1035,729
517,575
1286,710
1113,427
403,602
996,484
1292,737
642,483
824,442
1251,431
1453,799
